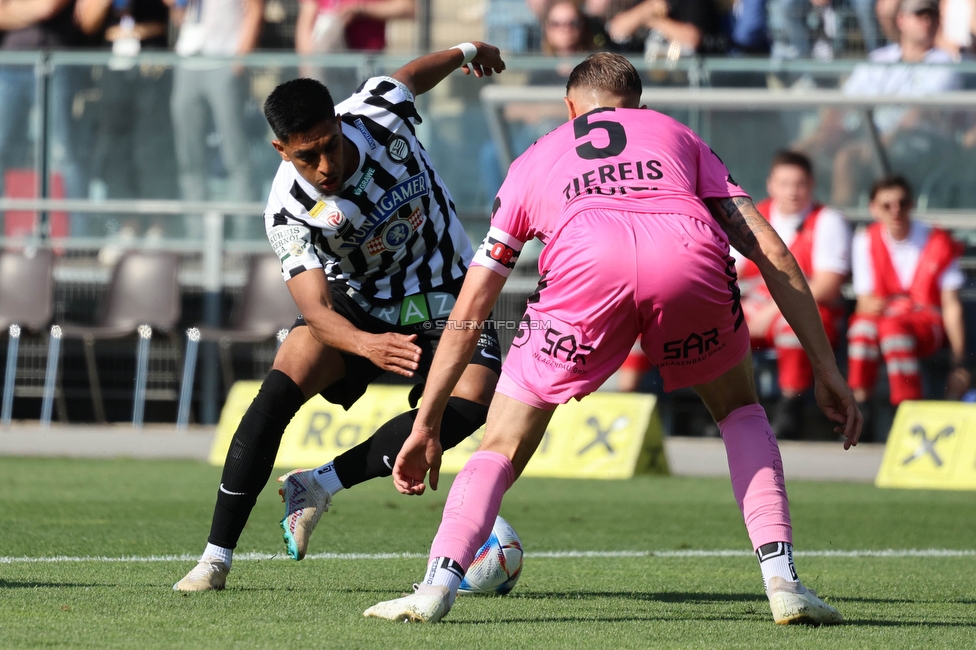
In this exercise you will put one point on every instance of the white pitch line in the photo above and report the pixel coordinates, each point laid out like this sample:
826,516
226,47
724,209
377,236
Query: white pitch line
556,555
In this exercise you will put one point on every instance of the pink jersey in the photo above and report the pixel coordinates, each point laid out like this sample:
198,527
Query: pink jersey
621,159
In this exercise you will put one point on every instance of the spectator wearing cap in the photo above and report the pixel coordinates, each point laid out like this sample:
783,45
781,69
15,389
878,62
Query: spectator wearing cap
915,140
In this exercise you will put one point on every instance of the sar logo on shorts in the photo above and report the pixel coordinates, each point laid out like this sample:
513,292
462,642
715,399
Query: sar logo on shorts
398,149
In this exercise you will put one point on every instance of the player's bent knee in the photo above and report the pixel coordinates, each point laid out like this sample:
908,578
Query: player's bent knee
514,430
477,384
311,365
730,391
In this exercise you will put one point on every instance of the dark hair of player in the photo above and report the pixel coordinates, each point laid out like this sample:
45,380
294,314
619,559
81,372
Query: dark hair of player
793,159
296,106
606,72
887,182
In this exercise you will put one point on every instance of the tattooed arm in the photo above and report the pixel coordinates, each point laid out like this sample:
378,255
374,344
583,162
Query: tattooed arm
751,235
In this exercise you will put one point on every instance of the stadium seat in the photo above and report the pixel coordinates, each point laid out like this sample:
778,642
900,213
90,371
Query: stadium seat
265,309
26,300
143,293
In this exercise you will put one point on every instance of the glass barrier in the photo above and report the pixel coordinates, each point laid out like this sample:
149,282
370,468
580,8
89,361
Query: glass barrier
101,154
92,127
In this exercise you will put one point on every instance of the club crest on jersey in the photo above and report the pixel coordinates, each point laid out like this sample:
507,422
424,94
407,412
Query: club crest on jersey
389,204
398,149
395,234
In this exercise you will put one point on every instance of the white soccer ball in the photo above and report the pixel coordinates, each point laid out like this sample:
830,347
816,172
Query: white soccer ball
497,565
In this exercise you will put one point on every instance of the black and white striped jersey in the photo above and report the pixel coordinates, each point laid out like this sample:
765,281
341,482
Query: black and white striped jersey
392,230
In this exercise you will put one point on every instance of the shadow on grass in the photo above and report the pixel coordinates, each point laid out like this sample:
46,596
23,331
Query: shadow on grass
908,623
29,584
665,597
908,601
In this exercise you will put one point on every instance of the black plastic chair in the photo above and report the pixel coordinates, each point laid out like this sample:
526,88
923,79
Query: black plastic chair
265,309
26,301
143,293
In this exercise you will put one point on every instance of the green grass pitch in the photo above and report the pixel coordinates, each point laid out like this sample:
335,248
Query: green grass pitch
127,530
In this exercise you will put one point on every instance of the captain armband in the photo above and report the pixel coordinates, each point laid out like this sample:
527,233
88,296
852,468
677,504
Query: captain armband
498,252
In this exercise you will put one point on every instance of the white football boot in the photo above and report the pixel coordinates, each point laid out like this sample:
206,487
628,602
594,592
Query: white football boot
794,604
428,605
305,502
210,574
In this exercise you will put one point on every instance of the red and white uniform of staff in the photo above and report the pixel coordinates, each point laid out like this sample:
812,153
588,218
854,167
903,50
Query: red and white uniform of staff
819,239
910,276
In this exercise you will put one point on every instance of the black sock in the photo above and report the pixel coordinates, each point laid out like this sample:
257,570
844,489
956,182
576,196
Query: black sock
251,456
375,456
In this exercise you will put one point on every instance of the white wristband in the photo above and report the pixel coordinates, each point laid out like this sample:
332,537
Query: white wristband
469,50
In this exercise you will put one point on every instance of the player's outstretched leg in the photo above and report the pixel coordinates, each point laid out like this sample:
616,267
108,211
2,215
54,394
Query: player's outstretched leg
514,431
307,494
759,486
472,506
246,471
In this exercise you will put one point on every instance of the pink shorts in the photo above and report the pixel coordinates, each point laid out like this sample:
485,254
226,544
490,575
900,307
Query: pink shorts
609,276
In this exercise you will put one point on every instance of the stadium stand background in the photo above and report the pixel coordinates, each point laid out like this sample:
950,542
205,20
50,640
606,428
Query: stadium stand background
747,107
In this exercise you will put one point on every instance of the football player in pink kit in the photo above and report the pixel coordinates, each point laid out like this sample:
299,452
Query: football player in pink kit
637,214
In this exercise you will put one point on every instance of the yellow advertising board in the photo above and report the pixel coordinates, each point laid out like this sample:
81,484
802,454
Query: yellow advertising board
932,445
606,436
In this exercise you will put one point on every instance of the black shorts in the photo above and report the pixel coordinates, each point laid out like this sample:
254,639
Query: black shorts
424,315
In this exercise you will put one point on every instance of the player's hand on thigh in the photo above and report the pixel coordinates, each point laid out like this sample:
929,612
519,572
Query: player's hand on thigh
392,352
835,399
421,452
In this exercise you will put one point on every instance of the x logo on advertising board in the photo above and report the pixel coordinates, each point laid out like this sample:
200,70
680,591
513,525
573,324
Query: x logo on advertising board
932,445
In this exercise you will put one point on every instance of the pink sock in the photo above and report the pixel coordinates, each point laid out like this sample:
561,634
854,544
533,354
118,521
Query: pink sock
472,505
756,469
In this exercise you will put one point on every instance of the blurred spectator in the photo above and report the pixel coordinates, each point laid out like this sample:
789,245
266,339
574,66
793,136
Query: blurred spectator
278,27
958,27
916,141
339,25
820,239
602,10
214,28
345,25
672,29
806,28
514,25
133,156
749,30
40,25
907,280
565,35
